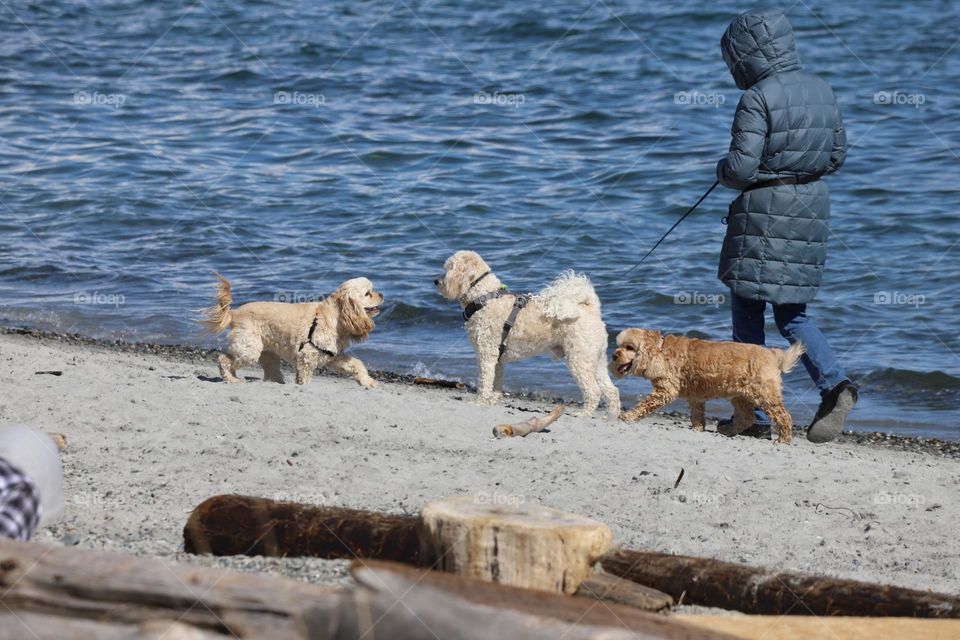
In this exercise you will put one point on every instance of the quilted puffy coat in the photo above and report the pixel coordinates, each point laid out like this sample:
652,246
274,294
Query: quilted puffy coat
787,125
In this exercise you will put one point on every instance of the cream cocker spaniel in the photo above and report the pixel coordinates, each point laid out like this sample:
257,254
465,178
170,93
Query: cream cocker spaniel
307,335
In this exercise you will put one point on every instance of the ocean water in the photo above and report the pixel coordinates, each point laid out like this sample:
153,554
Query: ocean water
292,145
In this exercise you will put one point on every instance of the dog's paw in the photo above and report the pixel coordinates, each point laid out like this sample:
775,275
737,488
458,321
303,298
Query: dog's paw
369,383
489,399
784,441
630,416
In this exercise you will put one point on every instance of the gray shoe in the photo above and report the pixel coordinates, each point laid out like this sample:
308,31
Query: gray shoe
827,425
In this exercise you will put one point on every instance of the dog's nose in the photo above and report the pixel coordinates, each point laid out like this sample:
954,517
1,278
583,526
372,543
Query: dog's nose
617,354
437,282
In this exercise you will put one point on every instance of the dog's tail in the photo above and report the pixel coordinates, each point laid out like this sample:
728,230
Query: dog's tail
789,358
564,299
217,318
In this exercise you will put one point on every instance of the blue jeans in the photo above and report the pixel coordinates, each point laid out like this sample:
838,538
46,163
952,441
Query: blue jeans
794,325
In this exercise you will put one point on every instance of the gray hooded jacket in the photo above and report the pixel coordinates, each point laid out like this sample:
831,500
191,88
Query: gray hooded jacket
787,125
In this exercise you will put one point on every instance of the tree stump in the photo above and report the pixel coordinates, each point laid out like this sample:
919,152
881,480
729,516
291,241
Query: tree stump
519,544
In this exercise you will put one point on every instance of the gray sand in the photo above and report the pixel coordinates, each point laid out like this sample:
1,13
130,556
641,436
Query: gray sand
149,440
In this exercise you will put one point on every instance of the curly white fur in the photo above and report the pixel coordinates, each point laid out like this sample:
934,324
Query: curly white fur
566,298
563,319
272,332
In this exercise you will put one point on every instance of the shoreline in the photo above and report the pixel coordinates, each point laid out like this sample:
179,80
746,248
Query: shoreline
197,354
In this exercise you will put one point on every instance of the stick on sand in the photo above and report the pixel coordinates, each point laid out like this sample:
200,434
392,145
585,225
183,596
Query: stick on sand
533,425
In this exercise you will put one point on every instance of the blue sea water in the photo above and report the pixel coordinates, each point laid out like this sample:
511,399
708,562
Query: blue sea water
291,145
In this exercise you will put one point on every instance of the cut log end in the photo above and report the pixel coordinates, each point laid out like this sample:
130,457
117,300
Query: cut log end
515,543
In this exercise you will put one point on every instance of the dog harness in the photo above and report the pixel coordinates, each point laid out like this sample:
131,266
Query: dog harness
520,301
309,340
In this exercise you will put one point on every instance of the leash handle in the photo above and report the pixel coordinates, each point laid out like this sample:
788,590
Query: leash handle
664,236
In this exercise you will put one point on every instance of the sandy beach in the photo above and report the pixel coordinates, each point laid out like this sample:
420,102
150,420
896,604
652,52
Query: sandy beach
152,432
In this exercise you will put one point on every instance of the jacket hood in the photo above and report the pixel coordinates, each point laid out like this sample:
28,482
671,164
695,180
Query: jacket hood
756,45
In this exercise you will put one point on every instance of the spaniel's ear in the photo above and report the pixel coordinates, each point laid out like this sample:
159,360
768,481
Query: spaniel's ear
654,365
352,315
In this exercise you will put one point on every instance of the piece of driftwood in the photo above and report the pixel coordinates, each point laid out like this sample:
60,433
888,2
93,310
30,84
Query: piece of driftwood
714,583
243,525
826,628
57,583
533,425
443,384
48,373
58,593
511,542
25,625
606,588
398,602
59,439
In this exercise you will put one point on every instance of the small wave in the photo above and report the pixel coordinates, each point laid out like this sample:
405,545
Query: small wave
238,75
533,29
901,381
384,158
402,313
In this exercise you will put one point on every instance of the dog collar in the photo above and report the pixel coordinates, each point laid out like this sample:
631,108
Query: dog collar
477,281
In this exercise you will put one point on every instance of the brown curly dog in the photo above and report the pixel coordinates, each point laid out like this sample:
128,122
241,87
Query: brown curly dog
699,370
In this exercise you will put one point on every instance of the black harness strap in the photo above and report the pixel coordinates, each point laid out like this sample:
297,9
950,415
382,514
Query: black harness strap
520,301
477,304
309,340
518,305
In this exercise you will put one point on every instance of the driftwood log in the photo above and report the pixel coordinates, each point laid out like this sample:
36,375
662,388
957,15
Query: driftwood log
825,628
500,600
57,593
24,625
726,585
606,588
533,425
511,542
230,525
66,589
242,525
443,384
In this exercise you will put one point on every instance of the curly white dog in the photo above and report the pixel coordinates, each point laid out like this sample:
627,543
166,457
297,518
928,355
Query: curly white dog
563,319
307,335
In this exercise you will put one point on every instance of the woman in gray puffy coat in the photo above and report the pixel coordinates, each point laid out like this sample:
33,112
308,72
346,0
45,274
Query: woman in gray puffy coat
787,134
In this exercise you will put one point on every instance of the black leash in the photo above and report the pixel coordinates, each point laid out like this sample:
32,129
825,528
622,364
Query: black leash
664,237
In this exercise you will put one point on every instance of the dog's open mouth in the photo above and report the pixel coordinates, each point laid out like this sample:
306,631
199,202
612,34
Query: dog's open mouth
622,369
372,311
